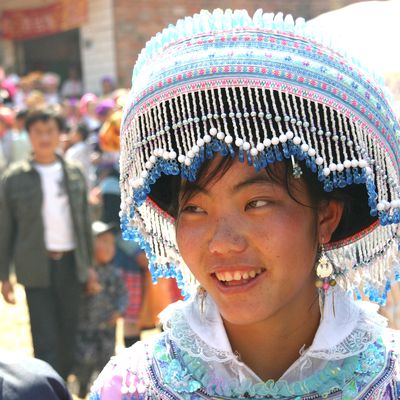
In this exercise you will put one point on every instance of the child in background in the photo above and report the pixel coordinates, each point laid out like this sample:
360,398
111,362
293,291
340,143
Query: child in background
96,332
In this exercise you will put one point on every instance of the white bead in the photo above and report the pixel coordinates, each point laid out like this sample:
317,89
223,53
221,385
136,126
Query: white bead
140,182
207,138
231,114
368,170
306,124
246,115
275,141
286,118
278,118
165,155
253,151
354,163
267,142
320,132
261,114
311,152
190,154
339,168
347,163
299,123
304,147
246,146
132,182
178,124
283,138
268,116
239,142
326,171
335,138
185,122
228,139
172,155
213,131
144,174
195,149
293,120
188,161
332,167
153,159
289,135
220,135
296,140
380,206
319,161
253,113
223,115
260,147
362,163
181,158
200,142
196,120
395,203
148,165
209,116
238,115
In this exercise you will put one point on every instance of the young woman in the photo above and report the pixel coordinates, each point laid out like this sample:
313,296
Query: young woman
260,169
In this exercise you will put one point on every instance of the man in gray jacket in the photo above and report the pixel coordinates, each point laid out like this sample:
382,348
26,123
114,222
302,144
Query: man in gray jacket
46,234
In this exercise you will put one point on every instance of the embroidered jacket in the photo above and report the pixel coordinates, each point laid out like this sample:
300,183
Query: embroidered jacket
353,356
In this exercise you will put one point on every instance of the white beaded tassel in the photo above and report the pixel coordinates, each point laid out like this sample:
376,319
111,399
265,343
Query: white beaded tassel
238,139
268,115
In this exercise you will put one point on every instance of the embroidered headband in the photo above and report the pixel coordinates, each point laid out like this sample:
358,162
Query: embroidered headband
264,88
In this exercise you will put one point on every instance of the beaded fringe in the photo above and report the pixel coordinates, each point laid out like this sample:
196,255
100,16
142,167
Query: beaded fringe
260,126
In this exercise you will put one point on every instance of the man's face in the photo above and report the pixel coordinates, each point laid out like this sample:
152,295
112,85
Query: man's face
44,137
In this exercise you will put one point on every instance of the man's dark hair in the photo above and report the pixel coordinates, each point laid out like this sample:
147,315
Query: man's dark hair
21,114
44,116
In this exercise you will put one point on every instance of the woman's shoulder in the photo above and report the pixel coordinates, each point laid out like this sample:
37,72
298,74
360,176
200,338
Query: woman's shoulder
127,373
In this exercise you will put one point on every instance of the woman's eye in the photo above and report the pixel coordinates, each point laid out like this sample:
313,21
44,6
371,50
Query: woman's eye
192,209
257,204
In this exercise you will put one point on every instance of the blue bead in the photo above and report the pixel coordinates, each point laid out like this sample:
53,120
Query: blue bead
278,154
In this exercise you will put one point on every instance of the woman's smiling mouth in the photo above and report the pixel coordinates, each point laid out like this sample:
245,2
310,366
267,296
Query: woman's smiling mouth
237,278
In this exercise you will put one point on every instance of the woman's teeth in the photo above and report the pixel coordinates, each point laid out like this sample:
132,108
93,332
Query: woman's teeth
237,275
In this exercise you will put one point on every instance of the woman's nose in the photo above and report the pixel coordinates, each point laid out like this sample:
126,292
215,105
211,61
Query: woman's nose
227,237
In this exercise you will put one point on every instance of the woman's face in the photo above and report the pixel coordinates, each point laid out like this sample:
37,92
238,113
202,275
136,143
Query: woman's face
252,246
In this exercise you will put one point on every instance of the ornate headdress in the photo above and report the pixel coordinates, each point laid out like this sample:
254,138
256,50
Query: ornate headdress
267,89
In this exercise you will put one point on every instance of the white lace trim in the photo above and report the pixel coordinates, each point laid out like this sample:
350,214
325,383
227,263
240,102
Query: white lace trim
366,326
179,331
367,329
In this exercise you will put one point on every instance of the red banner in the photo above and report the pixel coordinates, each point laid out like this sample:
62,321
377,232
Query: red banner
34,22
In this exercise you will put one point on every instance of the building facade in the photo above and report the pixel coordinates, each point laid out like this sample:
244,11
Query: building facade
103,37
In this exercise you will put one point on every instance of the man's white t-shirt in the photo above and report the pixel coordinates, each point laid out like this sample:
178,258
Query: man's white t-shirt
56,211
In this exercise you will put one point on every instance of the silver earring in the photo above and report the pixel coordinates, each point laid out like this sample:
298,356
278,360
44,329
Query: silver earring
202,293
325,272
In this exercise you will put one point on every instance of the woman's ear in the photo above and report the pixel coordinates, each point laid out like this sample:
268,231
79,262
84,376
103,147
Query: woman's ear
329,215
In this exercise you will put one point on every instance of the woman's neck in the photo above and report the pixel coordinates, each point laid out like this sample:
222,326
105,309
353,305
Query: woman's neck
271,346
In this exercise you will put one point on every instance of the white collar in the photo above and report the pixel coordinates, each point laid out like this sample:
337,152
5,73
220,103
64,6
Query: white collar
347,332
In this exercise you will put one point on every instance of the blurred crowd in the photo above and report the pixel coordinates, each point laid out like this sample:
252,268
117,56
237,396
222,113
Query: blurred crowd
89,136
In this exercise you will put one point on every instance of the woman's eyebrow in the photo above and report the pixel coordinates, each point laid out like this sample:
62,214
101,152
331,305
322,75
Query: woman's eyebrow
193,187
256,180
